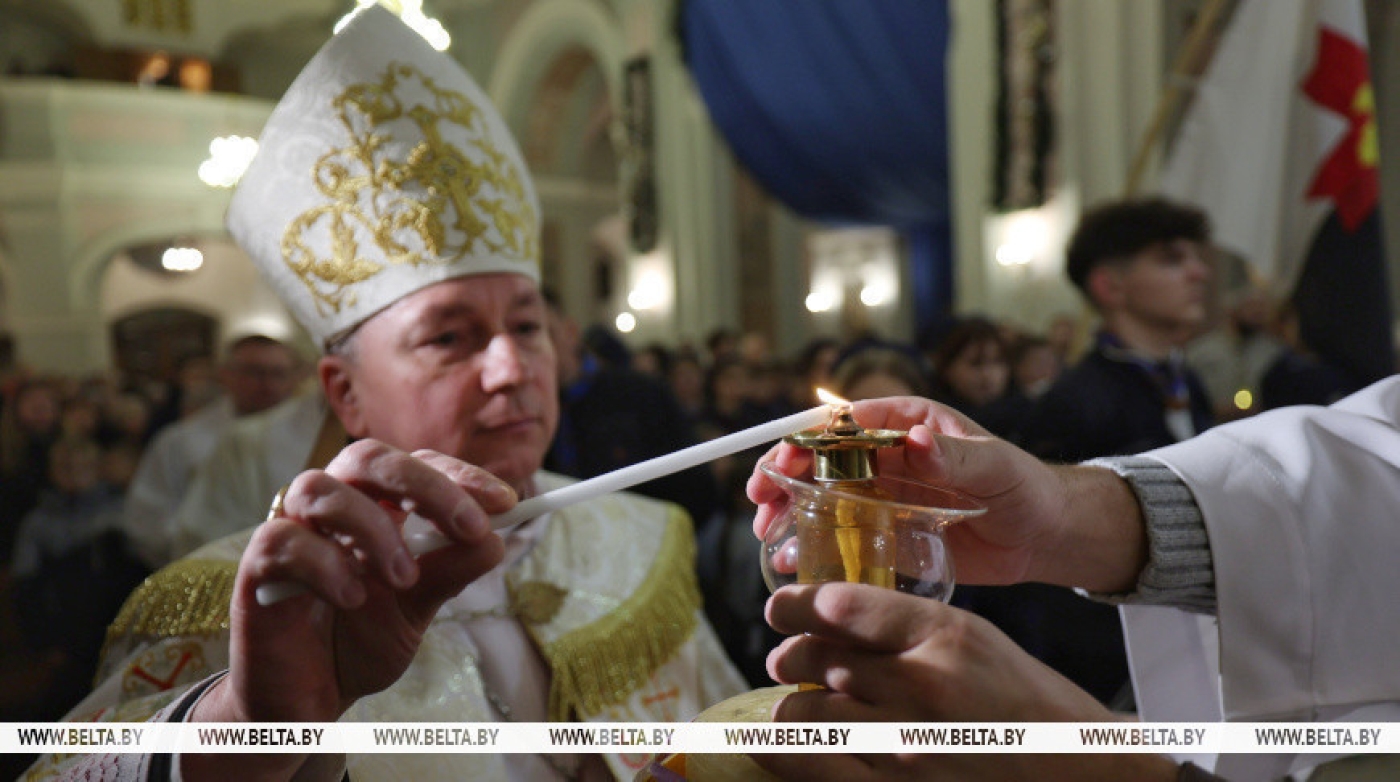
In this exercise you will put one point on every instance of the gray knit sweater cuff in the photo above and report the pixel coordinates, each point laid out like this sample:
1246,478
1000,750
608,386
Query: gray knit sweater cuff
1180,571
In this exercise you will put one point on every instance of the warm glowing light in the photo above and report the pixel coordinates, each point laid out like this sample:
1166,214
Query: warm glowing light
1023,237
411,12
874,294
229,157
626,322
831,399
182,259
1244,399
1013,255
820,301
649,294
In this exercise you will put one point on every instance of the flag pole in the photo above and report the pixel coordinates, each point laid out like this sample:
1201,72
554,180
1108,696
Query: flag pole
1186,70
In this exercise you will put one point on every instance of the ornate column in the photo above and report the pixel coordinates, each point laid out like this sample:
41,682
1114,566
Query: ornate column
694,194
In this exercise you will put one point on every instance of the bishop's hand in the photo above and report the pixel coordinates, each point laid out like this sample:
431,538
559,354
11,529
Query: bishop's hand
368,601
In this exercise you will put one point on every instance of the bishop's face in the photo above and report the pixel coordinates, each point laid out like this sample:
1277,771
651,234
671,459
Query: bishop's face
464,367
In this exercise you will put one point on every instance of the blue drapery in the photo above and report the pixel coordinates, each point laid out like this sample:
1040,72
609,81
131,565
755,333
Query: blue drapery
838,107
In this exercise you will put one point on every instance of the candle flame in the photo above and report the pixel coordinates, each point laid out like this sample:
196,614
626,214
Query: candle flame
831,399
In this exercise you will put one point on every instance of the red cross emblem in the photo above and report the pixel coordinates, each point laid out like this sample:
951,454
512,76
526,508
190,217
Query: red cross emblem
1340,82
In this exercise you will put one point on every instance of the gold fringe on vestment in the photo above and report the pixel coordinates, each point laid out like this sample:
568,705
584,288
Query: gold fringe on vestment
603,663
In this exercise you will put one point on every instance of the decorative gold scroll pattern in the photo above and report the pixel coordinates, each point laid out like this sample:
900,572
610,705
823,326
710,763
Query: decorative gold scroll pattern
437,205
159,15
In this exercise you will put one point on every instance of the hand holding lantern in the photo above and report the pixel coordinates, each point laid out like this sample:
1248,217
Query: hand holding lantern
846,524
851,525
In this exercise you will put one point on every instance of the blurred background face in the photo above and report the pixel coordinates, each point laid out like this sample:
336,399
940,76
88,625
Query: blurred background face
876,385
37,409
130,414
753,348
768,383
464,367
118,465
978,373
259,375
652,360
74,467
1036,369
80,417
729,385
874,372
1168,285
688,382
196,372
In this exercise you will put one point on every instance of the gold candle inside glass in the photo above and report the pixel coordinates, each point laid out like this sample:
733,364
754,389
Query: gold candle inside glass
840,537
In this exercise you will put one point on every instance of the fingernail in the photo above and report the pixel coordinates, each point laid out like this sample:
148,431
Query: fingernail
467,516
402,568
501,491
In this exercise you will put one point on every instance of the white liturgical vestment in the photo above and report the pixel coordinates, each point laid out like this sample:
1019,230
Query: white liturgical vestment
594,616
1302,508
257,454
163,476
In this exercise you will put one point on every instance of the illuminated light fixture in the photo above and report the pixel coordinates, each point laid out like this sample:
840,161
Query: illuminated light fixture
1013,255
229,157
1244,399
875,294
1023,237
182,259
649,294
820,301
650,287
411,12
626,322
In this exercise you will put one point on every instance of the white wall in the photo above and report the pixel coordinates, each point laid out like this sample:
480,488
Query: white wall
1109,76
227,288
88,169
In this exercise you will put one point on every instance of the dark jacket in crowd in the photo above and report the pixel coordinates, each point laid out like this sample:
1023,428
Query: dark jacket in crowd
1106,407
612,417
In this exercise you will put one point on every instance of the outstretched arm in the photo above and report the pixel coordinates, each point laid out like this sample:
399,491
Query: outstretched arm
1067,525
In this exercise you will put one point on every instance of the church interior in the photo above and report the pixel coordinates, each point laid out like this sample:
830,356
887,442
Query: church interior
112,111
787,175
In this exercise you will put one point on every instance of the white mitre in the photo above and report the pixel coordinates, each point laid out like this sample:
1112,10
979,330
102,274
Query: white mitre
383,170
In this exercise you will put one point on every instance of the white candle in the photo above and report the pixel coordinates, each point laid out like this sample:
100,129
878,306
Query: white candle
616,480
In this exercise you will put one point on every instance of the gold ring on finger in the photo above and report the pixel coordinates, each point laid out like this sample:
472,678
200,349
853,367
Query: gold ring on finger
275,511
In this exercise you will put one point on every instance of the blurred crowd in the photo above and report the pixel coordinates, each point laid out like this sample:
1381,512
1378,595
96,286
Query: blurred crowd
71,450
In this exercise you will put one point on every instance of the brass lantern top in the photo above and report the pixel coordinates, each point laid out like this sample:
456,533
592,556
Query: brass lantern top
843,448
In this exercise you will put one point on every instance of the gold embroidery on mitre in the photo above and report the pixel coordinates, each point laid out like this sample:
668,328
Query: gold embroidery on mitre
189,597
604,663
438,205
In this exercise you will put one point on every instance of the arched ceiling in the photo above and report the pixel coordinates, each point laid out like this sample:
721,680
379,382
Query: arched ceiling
567,129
